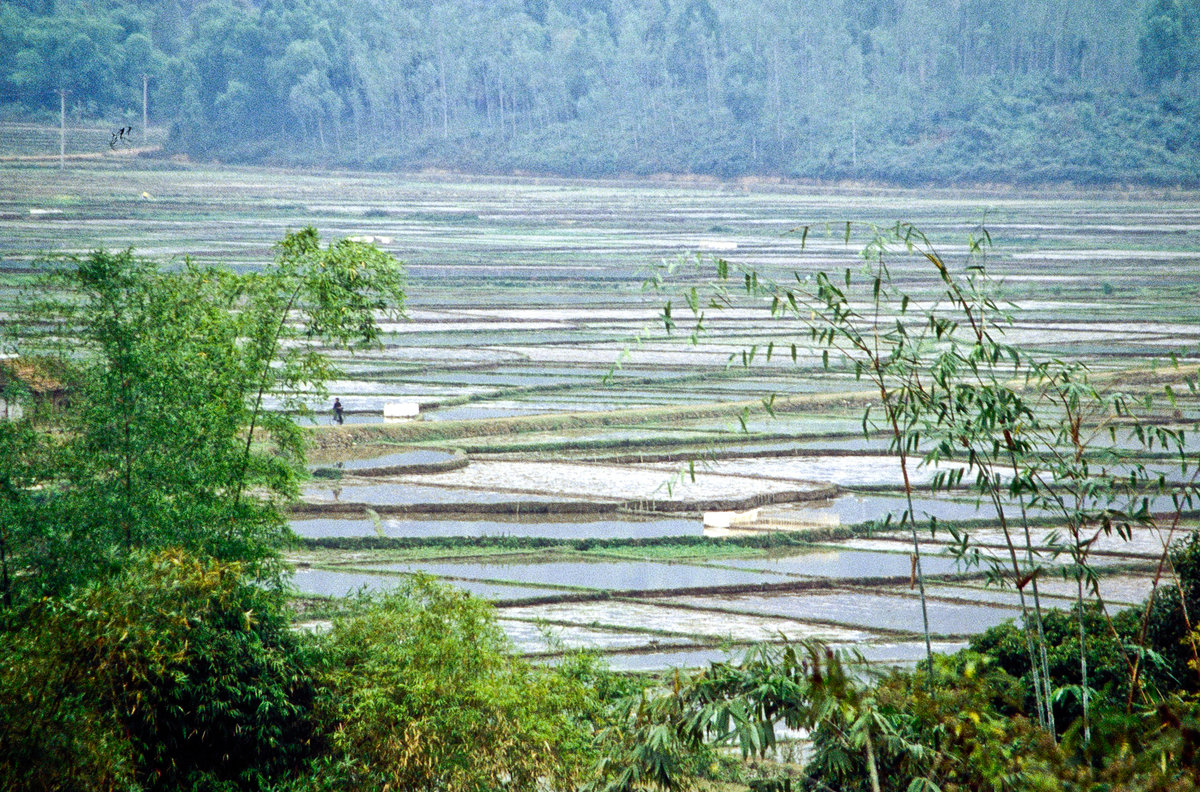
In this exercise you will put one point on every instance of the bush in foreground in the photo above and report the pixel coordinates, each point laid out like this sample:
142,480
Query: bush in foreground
174,674
419,690
179,674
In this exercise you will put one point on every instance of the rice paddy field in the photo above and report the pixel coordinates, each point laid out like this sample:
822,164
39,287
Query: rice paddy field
611,486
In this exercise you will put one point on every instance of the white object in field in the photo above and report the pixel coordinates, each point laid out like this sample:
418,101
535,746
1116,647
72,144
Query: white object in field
729,519
401,410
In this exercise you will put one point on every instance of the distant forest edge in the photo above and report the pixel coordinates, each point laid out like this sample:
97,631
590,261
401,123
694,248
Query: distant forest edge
907,92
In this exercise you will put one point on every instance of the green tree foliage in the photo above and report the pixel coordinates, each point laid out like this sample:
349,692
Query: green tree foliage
1050,90
180,673
21,453
153,442
1168,47
418,690
175,674
1171,619
1169,623
1138,734
166,442
966,724
966,731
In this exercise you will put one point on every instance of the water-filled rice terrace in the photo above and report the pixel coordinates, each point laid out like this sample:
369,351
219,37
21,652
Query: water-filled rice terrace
653,567
615,487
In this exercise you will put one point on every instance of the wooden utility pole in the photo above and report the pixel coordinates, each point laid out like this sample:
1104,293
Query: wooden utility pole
62,127
854,142
145,96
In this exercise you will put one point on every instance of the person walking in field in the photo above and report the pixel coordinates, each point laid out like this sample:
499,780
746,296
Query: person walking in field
339,416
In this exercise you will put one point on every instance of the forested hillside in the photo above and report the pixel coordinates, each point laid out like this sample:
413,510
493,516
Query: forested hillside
1089,91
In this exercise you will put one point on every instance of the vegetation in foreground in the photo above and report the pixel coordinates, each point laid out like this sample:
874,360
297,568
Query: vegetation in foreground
180,673
146,644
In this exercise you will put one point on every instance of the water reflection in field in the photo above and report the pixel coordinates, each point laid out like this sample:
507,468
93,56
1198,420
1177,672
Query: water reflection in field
414,456
863,609
655,615
606,528
397,494
848,564
531,637
337,583
595,575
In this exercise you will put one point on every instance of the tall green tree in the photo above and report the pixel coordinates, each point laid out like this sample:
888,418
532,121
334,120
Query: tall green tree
1167,46
167,438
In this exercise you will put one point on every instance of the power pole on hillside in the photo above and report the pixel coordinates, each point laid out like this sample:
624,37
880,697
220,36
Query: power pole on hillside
854,142
62,127
145,96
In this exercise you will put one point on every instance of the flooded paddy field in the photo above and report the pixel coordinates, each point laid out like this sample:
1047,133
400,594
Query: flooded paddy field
877,612
498,481
608,576
645,606
656,617
830,562
330,583
847,470
583,527
1141,544
532,638
1121,589
411,459
517,268
646,600
415,495
532,347
858,508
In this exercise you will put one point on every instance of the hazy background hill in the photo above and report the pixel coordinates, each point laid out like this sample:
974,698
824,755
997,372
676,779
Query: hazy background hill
1088,91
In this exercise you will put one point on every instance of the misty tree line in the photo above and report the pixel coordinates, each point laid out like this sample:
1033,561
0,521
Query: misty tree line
1091,90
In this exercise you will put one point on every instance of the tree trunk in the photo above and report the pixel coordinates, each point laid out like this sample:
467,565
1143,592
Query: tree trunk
872,768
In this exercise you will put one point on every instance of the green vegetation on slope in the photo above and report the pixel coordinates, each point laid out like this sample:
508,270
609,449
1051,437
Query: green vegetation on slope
934,91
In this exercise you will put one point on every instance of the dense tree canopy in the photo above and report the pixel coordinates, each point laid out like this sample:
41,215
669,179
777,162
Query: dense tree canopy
940,90
161,441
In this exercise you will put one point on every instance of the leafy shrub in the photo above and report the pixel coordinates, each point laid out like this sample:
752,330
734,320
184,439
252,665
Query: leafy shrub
175,674
1112,649
1108,662
418,691
962,730
1167,630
